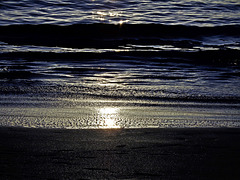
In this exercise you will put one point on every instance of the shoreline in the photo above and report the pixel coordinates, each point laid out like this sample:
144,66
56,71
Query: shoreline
165,153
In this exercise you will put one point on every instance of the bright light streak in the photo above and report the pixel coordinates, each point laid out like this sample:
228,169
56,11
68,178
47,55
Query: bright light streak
108,116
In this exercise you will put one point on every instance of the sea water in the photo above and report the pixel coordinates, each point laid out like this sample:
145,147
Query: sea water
66,12
120,64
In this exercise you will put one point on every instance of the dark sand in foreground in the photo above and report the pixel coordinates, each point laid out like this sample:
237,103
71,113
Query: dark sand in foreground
119,154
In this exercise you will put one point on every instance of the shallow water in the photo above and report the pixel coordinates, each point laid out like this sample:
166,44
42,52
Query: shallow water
65,90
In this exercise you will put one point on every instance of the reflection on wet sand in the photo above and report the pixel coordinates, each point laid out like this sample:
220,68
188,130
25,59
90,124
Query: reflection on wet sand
107,117
20,111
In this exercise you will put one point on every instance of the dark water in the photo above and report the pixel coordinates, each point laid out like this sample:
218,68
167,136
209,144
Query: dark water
154,56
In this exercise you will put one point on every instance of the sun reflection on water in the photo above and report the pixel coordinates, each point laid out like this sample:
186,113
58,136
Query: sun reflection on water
112,16
108,117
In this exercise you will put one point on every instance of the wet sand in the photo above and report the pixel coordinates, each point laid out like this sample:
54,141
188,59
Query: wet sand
119,153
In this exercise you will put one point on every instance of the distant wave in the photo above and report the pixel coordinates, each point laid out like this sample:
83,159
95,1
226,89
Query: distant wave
224,57
215,45
92,35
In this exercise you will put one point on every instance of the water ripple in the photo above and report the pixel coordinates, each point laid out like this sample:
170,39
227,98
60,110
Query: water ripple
194,12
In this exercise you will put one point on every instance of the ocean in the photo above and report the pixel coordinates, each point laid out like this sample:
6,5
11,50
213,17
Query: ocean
119,64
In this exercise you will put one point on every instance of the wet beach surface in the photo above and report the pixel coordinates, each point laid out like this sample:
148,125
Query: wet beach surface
119,153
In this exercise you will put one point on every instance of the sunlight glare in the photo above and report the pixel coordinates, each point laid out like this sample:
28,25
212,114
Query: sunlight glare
108,117
108,111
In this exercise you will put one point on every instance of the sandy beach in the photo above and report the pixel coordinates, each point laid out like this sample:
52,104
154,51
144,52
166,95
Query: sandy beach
192,153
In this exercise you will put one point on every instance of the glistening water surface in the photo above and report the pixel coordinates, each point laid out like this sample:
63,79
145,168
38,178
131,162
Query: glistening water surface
120,64
118,93
66,12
